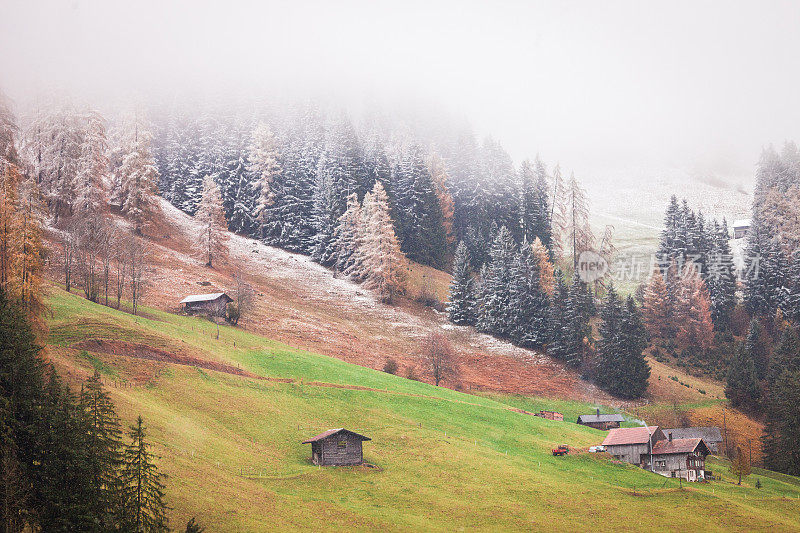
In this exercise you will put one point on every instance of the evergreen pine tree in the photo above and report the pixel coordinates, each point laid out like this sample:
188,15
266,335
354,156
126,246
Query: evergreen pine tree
144,508
558,321
623,370
528,301
103,443
495,312
782,429
742,387
721,277
461,307
757,348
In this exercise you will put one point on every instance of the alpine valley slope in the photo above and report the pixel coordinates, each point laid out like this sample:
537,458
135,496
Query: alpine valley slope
226,416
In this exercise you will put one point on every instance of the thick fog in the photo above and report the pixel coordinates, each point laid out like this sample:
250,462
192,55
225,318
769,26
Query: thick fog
596,85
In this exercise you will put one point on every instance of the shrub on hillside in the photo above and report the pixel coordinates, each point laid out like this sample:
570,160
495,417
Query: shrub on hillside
390,367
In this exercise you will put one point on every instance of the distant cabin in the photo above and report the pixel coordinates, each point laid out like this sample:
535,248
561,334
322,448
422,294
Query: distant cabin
337,447
551,415
598,421
740,228
214,304
712,436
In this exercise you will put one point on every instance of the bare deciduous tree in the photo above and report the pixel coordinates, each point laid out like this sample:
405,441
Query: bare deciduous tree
137,267
243,300
439,358
68,247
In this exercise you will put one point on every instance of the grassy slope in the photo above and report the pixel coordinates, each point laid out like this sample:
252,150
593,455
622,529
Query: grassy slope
447,460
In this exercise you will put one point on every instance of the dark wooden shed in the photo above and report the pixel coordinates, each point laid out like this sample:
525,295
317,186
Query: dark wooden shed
598,421
214,304
337,447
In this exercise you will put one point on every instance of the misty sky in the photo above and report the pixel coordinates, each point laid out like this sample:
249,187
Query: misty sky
592,84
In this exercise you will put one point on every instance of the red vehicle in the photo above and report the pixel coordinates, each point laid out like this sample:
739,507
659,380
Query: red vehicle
561,450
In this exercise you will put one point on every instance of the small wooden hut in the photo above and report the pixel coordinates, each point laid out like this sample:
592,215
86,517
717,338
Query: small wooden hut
337,447
214,304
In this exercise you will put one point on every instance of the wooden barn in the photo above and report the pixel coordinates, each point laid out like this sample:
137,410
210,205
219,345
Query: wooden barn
683,458
712,436
598,421
214,304
633,445
337,447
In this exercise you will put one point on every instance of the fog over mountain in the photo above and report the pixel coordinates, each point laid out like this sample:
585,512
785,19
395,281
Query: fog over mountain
599,86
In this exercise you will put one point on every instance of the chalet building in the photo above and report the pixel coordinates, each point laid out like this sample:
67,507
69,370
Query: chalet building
633,445
649,448
683,458
551,415
214,304
598,421
740,228
712,436
337,447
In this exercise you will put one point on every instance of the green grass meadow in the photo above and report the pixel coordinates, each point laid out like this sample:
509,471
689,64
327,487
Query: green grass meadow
443,460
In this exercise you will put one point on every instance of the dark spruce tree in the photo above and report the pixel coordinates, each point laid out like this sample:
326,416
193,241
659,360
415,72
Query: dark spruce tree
461,307
781,438
721,277
535,206
529,302
757,347
103,445
422,235
741,387
144,508
495,314
557,319
785,357
622,368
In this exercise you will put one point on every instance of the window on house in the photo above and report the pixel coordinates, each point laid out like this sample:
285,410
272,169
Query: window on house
342,444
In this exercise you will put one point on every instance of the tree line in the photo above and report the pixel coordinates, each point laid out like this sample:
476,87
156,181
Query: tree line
740,325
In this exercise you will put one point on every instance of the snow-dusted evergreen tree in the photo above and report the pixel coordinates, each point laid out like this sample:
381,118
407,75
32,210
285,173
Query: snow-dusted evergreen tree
348,236
239,198
423,235
535,209
721,277
92,168
495,310
138,180
289,219
263,165
461,306
528,302
212,237
622,369
385,264
765,272
577,330
340,172
557,319
791,303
